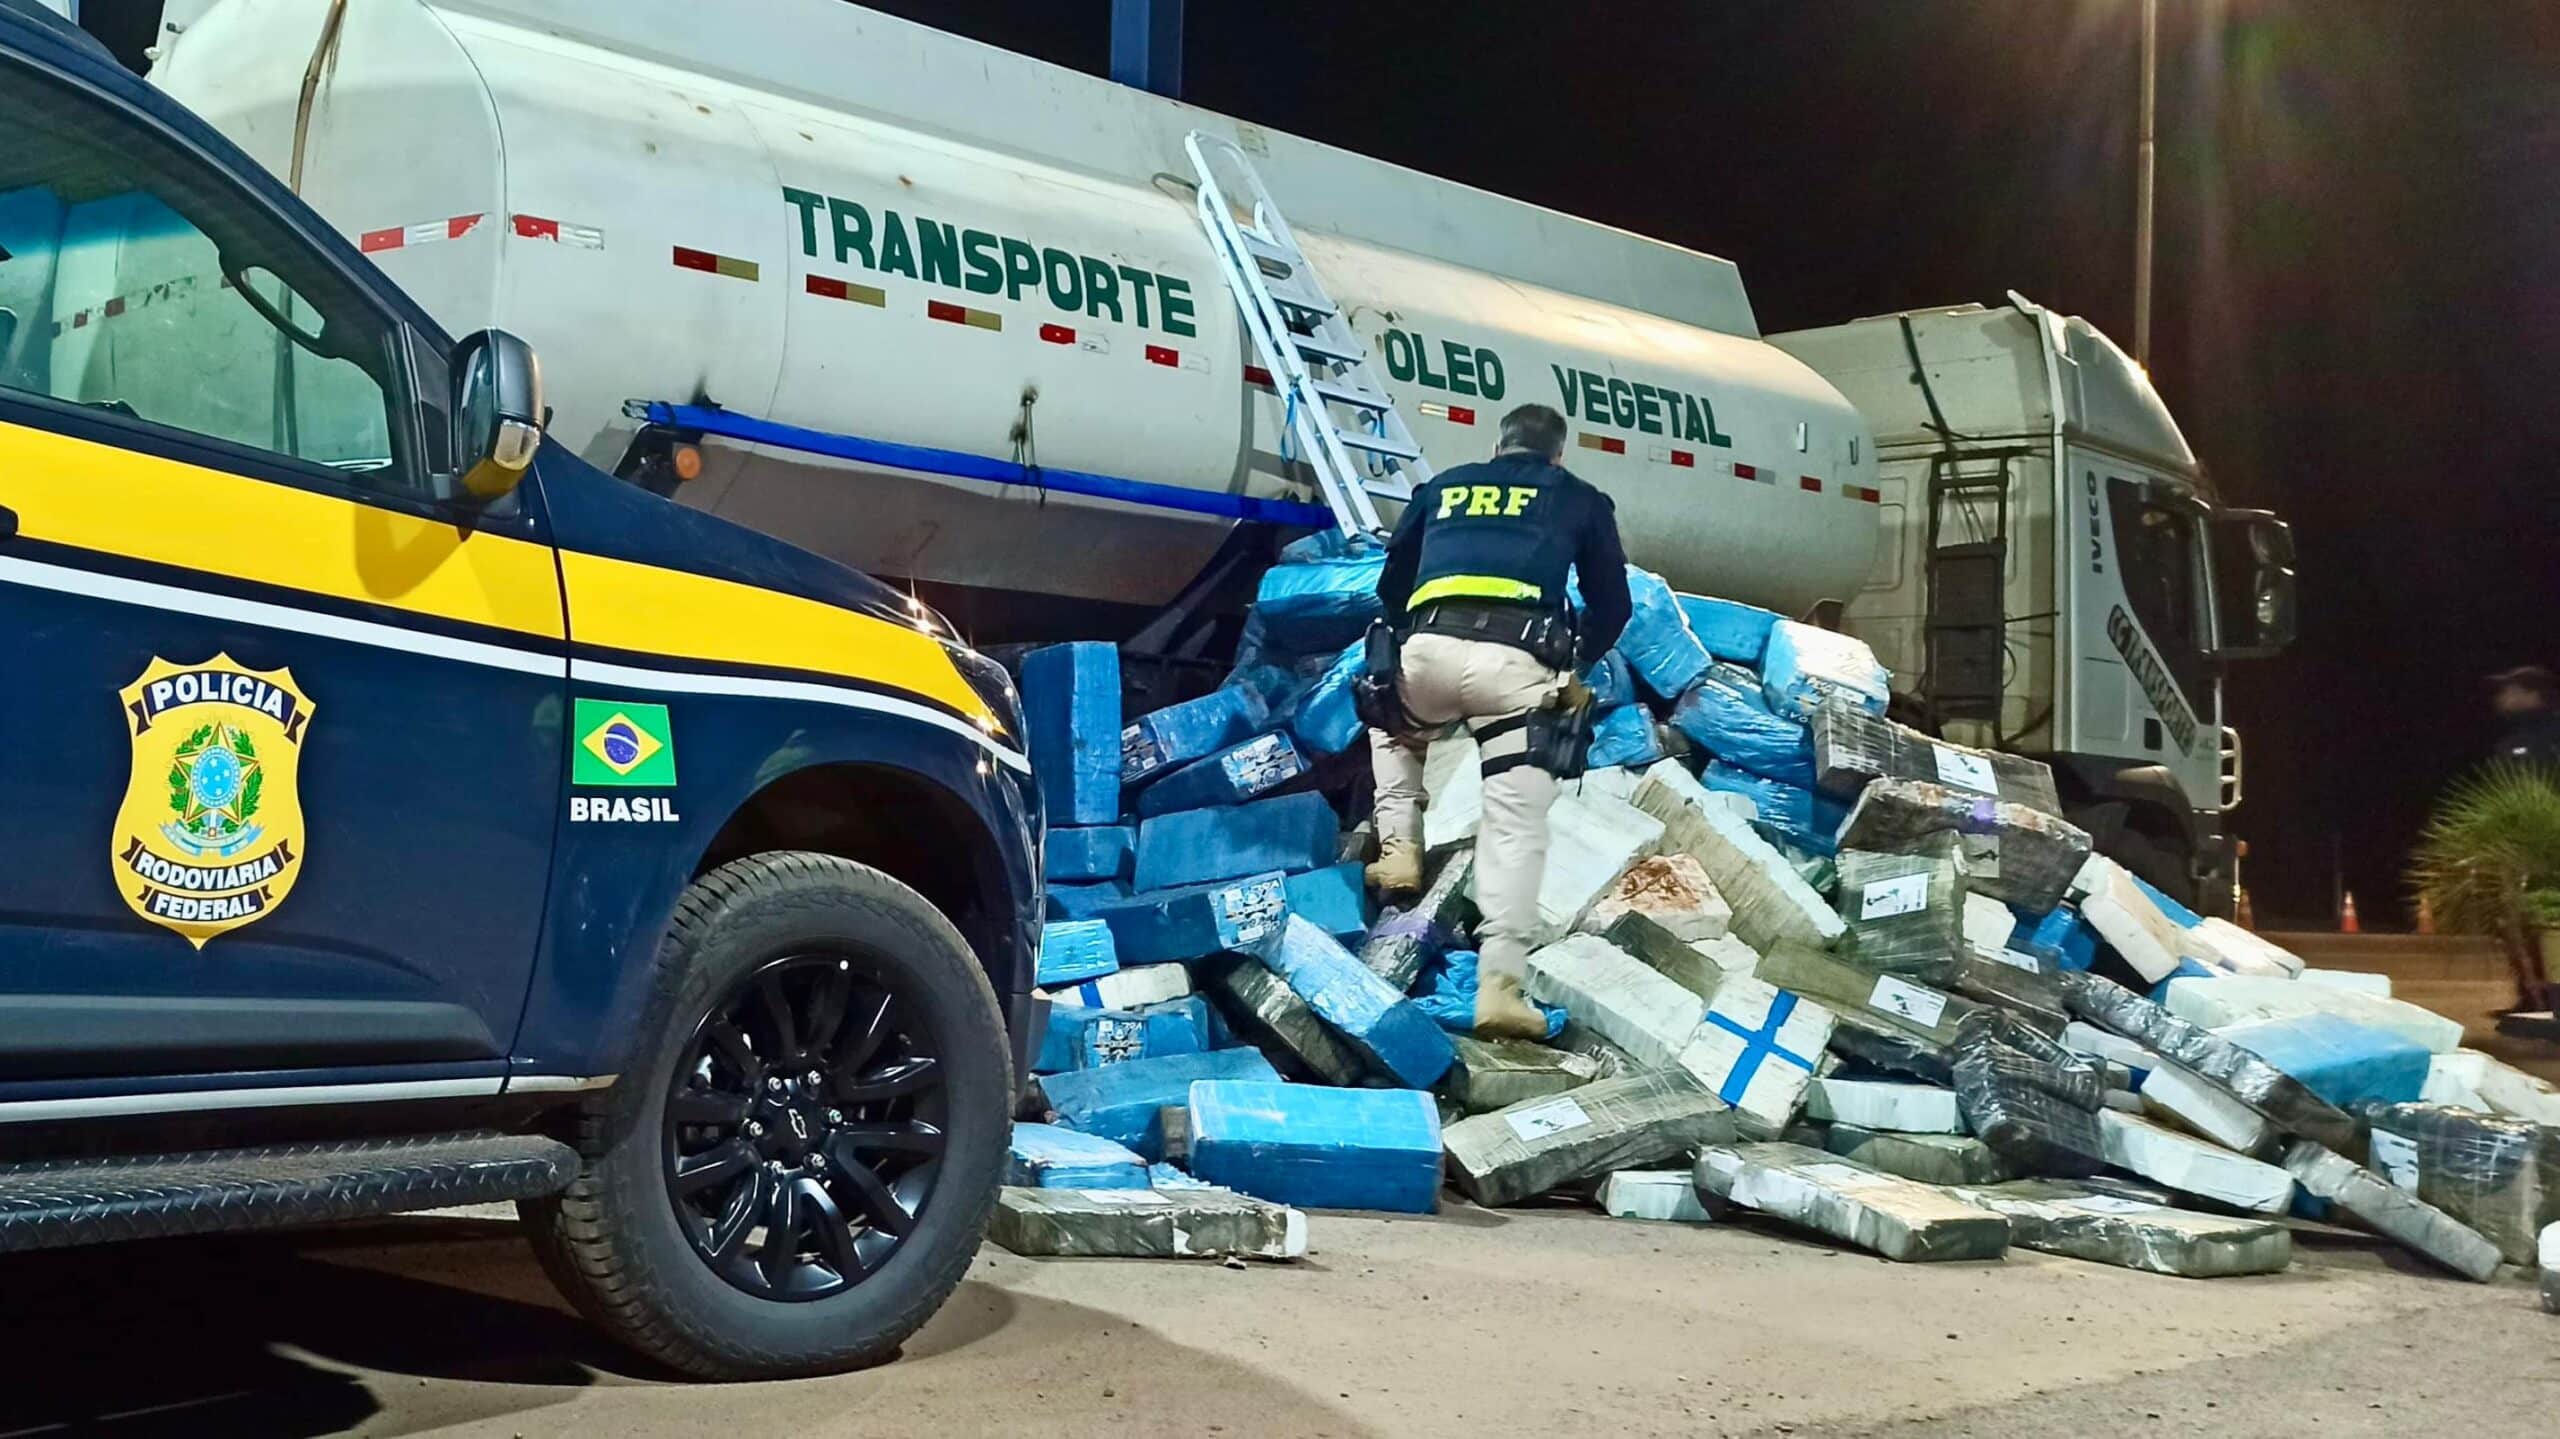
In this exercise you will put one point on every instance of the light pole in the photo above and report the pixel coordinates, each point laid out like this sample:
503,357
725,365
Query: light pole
2142,187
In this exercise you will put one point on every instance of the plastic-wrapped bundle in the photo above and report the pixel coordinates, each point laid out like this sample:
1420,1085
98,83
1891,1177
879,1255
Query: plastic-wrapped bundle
2015,981
1770,901
1178,734
1233,775
1624,738
1725,715
1265,1009
2348,1064
1084,901
1591,841
2060,935
2393,1212
1403,942
1526,1149
1447,992
1453,783
1927,1158
1906,910
2468,1079
1319,1147
2240,952
1788,815
1072,951
2012,853
1082,1038
2499,1176
1318,606
1071,706
1885,1104
1324,720
2058,1070
1889,1001
1382,1024
2069,1220
2256,1083
1806,668
1852,747
1045,1156
1124,989
1123,1102
1671,890
1657,642
2126,913
1085,855
1169,925
1895,1217
1197,846
1758,1049
2010,1101
1617,996
2193,1103
1192,1222
1336,898
2231,1000
1667,1195
1494,1074
1610,681
2193,1166
1729,630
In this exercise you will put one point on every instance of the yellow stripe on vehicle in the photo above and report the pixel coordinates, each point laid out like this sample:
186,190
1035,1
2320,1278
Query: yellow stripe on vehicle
114,501
640,608
1475,587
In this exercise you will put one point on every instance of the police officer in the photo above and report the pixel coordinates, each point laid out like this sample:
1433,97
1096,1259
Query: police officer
1475,587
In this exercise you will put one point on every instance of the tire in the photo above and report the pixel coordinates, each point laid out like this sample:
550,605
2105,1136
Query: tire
621,1241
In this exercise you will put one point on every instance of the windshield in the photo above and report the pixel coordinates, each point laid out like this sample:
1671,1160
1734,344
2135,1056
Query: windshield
2158,544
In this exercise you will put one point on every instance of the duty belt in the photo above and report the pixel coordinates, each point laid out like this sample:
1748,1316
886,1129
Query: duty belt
1546,635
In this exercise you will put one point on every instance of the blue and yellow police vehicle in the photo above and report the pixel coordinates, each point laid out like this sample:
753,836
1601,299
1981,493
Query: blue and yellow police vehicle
396,812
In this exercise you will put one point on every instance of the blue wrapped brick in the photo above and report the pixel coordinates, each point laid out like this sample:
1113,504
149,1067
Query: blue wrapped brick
1196,846
1178,734
1083,1038
1729,630
2178,914
1315,607
1083,901
1610,681
1071,705
1657,644
1321,1148
1231,776
1120,1101
1624,738
1172,925
1806,667
1725,715
1082,856
1387,1028
1073,951
1335,899
1046,1156
1804,818
2060,935
2187,969
1324,722
2348,1064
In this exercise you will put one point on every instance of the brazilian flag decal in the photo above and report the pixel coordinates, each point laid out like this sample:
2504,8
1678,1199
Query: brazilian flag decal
623,744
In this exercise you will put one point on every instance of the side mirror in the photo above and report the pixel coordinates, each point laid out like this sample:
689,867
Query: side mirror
2253,584
497,413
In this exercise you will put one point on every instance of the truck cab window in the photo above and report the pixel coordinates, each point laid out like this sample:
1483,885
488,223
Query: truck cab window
2159,547
132,283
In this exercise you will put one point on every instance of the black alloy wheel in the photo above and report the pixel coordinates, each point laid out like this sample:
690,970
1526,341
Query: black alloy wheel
807,1128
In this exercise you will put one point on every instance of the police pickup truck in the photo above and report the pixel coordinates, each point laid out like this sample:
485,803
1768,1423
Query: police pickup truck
396,812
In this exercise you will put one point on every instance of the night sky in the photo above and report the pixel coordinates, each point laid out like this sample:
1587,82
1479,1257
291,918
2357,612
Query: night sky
2357,322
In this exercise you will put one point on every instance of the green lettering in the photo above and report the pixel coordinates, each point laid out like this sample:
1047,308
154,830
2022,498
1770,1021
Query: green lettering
1690,428
1462,367
1489,374
938,251
1714,436
809,203
1173,296
1400,355
897,255
1595,395
1568,384
1070,296
1622,403
853,230
1422,366
1138,280
979,249
1101,289
1648,410
1021,267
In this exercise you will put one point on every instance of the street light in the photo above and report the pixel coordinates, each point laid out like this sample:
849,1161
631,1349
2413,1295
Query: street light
2142,187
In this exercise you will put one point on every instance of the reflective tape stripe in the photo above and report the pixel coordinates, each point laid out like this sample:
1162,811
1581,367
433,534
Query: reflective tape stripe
401,237
835,289
1809,484
963,315
576,237
1608,444
688,258
1473,587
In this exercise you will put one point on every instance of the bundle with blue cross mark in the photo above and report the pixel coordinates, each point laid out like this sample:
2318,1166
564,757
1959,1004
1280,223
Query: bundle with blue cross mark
1798,961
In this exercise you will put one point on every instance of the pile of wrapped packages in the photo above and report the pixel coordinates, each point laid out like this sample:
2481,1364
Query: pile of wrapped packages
1799,961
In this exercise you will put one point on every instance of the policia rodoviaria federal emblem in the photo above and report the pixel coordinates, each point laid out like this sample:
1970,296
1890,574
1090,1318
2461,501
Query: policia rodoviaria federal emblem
210,834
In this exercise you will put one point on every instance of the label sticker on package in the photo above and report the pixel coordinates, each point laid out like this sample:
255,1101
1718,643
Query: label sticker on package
1251,911
1966,771
1896,996
1886,898
1262,763
1116,1041
1844,1176
1139,752
1982,855
2396,1156
1553,1117
1124,1198
2015,959
2107,1204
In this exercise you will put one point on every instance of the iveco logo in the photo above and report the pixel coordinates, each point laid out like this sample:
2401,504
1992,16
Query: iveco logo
799,1126
2097,547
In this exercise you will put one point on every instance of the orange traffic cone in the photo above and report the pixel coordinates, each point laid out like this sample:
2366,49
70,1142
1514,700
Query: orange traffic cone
2347,916
2426,916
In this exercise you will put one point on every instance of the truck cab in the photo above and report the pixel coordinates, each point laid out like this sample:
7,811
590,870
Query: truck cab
2054,576
405,813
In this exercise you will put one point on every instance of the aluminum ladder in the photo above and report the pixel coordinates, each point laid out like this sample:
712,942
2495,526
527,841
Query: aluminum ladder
1340,417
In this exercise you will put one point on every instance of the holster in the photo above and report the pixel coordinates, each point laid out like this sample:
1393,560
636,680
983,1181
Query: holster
1560,732
1376,696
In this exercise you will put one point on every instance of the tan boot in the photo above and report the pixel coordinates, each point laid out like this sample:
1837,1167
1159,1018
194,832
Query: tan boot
1503,1012
1397,869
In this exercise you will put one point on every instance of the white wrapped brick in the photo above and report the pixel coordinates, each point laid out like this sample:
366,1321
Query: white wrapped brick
2223,1002
2351,980
1617,997
1664,1194
1988,924
2240,951
2193,1166
1886,1104
2175,1093
1453,789
1771,903
1673,891
1592,840
2468,1079
2128,921
1757,1049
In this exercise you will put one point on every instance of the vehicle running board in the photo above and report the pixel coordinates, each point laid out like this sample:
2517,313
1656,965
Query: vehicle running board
55,1203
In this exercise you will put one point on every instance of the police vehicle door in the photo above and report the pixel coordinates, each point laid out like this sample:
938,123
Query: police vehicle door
281,768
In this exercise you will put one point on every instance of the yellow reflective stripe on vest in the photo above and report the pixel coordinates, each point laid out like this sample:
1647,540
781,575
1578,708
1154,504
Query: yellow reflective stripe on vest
1474,587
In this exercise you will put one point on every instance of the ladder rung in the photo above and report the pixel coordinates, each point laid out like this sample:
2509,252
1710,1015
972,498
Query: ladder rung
1368,443
1317,347
1391,486
1343,392
1305,302
1267,254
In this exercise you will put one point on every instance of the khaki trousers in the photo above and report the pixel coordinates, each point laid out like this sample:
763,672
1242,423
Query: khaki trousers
1447,682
